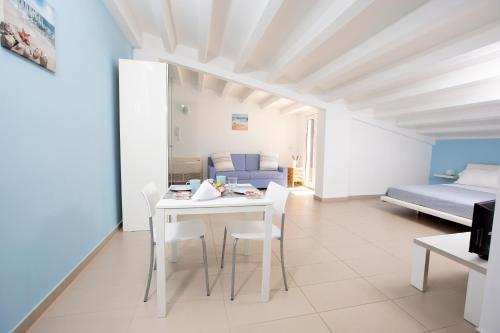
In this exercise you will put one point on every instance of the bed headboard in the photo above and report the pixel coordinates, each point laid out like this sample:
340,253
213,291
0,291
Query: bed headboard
492,167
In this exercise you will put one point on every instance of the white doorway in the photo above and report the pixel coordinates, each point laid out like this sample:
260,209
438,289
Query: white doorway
310,161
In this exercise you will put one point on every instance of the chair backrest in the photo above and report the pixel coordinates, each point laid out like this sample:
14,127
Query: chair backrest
278,194
150,194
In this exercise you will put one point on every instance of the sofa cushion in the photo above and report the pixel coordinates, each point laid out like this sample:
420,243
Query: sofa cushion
239,162
269,161
222,161
252,161
261,174
241,175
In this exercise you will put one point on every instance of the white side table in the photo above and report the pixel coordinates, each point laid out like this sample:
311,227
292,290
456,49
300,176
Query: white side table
456,248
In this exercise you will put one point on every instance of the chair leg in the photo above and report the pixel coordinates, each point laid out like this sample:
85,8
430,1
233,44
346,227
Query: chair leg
150,271
233,272
283,263
205,263
223,249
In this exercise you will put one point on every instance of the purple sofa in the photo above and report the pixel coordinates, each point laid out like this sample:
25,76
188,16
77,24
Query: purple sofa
246,168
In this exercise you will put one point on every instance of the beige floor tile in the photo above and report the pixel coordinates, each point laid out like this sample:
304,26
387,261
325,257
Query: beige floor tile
194,316
309,323
190,287
436,309
393,285
355,251
116,321
327,247
248,309
377,265
310,256
463,327
341,294
97,299
321,273
382,317
250,282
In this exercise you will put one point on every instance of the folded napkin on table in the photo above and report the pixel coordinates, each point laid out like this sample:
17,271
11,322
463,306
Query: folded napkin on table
206,191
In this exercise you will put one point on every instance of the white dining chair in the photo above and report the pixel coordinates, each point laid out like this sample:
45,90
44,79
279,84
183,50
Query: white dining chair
254,230
174,231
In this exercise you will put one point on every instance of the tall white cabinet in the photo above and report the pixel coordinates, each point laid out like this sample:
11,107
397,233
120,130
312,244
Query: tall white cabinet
143,135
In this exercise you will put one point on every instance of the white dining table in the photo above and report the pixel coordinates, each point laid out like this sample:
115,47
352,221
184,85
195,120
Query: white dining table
172,208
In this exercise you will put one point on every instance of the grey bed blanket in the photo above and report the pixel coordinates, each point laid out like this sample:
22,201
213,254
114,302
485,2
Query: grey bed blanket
449,199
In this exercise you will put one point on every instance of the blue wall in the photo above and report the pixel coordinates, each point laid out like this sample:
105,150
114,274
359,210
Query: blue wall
59,164
455,154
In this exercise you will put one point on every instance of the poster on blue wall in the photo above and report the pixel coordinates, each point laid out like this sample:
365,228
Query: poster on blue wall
27,28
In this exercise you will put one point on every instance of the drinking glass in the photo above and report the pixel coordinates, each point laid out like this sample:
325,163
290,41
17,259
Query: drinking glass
232,182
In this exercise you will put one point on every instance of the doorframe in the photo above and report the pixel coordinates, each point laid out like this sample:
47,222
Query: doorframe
312,182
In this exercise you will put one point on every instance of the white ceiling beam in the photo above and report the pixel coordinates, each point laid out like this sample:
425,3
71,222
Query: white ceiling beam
457,116
419,23
294,108
179,74
201,81
269,101
476,46
258,31
480,95
460,78
206,28
248,96
125,20
227,88
164,21
220,68
338,15
433,130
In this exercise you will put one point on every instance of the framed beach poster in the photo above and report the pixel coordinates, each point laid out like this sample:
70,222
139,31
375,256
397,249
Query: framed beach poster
240,122
27,27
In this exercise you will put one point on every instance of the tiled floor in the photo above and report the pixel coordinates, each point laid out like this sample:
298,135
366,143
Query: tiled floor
348,266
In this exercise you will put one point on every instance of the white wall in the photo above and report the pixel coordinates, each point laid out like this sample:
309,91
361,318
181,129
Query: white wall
207,127
358,157
381,158
334,135
490,321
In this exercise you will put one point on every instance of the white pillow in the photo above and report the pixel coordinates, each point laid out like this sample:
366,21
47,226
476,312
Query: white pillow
478,177
269,161
222,162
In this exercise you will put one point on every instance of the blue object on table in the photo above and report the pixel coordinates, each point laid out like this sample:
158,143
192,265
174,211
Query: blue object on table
194,184
221,179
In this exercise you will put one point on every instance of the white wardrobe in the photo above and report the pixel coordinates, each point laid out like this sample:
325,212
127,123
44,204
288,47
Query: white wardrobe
143,135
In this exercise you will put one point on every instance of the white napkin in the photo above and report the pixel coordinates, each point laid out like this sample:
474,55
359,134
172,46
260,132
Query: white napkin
206,192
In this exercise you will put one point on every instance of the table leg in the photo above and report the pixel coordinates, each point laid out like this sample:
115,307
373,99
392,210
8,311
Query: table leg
173,245
266,255
420,267
160,267
474,298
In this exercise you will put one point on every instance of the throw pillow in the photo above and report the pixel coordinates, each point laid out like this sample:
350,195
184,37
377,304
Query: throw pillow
222,162
269,161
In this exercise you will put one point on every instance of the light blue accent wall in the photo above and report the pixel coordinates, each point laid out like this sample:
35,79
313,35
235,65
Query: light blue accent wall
455,154
59,156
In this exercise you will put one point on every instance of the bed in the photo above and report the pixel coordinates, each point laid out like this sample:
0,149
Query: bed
453,202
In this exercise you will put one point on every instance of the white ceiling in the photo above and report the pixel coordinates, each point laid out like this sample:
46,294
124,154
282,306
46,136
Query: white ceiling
227,89
432,66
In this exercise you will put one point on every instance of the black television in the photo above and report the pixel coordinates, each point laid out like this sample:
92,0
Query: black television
482,223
